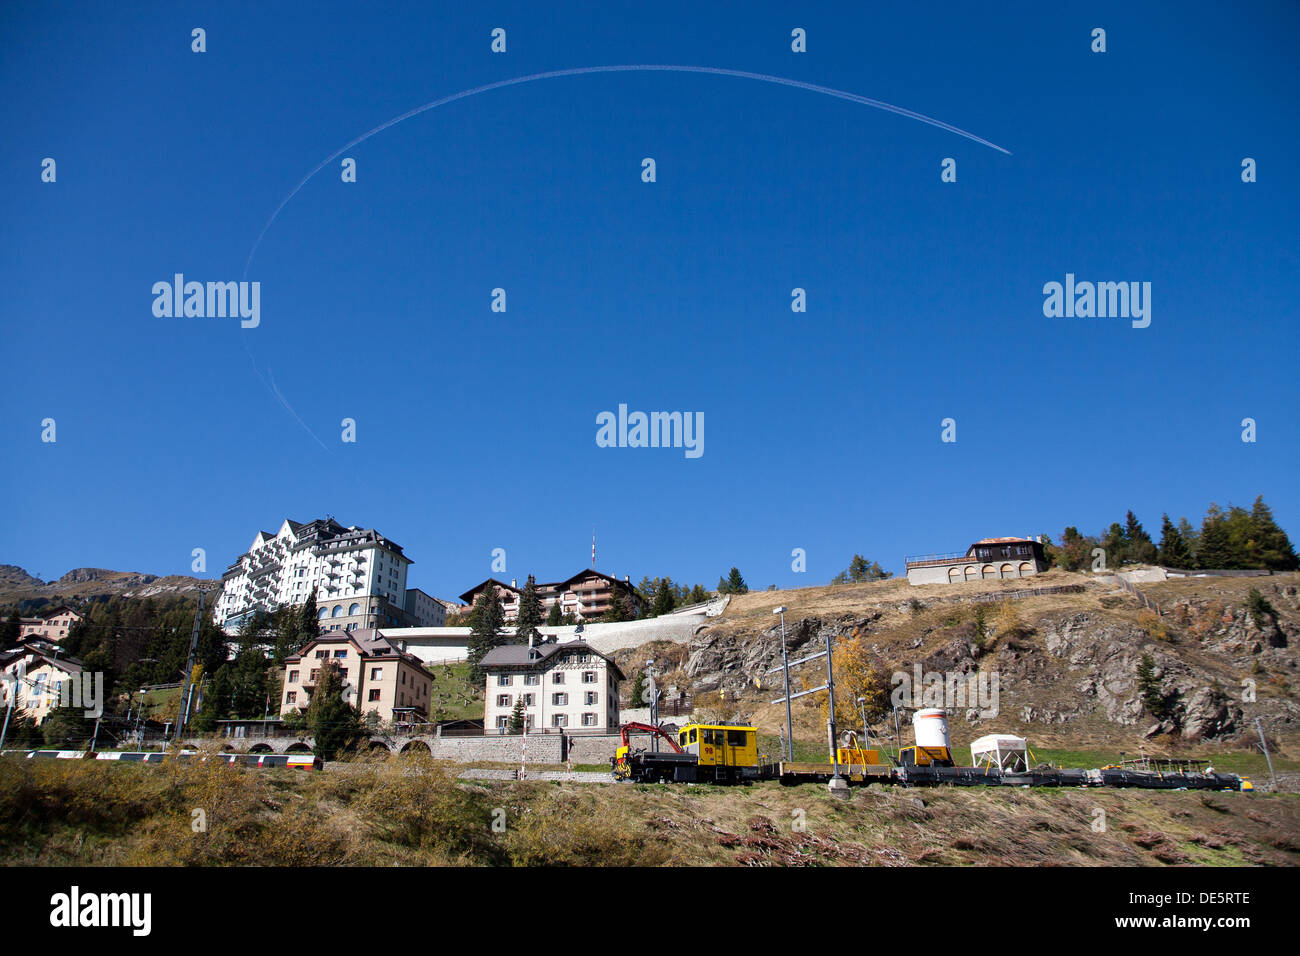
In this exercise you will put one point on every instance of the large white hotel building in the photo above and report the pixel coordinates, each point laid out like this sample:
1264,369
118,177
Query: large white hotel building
358,576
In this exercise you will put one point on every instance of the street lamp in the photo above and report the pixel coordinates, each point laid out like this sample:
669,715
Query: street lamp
785,664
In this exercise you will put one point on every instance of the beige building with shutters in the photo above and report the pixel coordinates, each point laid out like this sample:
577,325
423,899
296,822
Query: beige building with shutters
566,686
377,676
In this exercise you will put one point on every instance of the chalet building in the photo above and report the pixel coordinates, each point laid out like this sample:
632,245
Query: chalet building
32,676
990,559
566,686
377,675
51,626
586,595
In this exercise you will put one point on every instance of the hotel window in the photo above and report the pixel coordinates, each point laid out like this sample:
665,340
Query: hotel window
589,720
503,680
293,677
559,700
321,655
503,700
558,677
291,697
376,673
314,672
559,720
591,697
528,700
340,653
530,680
374,693
589,677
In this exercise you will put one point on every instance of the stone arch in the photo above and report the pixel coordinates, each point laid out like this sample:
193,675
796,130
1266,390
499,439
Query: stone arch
260,749
229,749
1007,571
354,609
987,572
416,746
971,572
298,747
337,611
379,745
954,575
1026,569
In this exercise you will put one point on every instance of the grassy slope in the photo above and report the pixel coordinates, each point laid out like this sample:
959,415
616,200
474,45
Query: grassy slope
411,812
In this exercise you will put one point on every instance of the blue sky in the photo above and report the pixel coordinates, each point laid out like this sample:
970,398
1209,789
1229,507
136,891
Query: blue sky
476,430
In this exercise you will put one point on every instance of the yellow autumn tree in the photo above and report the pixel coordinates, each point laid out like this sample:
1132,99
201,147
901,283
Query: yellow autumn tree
856,675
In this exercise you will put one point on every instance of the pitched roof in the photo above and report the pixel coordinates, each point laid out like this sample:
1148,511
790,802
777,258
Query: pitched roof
538,656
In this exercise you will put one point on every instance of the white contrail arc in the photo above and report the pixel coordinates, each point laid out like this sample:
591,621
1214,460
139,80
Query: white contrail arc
630,68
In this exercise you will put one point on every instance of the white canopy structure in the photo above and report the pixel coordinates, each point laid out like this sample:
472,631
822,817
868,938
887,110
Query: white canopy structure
1003,751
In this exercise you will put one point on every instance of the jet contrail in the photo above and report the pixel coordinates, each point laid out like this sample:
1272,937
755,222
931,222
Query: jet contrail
584,70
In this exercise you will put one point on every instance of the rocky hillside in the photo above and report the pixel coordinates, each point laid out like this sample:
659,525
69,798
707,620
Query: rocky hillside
16,585
1067,663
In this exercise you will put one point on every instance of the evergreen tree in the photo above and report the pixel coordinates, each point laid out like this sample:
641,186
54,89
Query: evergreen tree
335,724
217,700
1215,550
698,595
66,728
1149,689
1138,545
664,598
310,625
486,621
13,629
555,616
1115,545
735,583
249,684
516,725
981,635
638,690
530,612
1173,551
1191,537
1273,549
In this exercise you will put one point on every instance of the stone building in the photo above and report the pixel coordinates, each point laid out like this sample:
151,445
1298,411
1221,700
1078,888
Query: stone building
989,559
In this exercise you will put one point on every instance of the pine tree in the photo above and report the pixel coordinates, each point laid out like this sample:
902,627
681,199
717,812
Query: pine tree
1273,549
1149,689
1137,543
664,598
698,595
516,725
555,616
981,635
1173,551
735,583
486,621
530,612
1215,550
310,624
13,629
638,690
335,724
216,700
1115,545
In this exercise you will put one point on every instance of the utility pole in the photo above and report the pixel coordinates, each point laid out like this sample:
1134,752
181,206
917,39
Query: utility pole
1264,744
837,782
785,665
654,704
189,666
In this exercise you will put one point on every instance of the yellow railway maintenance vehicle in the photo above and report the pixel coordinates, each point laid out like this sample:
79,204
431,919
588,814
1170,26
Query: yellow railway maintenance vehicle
701,753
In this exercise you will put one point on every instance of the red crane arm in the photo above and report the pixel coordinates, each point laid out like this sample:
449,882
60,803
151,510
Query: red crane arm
648,729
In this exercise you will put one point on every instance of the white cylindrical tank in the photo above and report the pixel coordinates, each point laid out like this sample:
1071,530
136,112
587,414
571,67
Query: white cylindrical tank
931,727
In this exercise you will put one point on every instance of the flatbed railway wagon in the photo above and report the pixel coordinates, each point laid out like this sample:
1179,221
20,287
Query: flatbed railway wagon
294,761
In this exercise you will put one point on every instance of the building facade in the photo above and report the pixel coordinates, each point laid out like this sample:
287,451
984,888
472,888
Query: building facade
586,595
377,676
563,687
424,610
51,626
32,678
989,559
357,575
